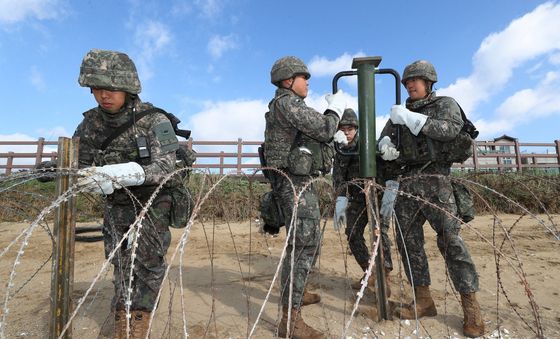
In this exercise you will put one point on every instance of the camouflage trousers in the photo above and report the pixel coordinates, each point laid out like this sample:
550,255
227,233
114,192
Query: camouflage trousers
356,221
304,239
411,216
149,263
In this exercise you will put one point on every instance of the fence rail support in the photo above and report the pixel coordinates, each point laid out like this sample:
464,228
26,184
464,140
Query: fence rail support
62,279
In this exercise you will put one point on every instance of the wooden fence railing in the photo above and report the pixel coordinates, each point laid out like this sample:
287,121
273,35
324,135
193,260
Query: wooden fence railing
240,156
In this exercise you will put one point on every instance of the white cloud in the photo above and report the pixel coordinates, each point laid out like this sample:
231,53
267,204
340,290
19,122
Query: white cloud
152,39
533,103
13,11
229,120
534,34
220,44
321,66
489,129
524,105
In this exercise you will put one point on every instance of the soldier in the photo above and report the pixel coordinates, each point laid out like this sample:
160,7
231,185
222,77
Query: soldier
350,208
429,124
295,138
137,158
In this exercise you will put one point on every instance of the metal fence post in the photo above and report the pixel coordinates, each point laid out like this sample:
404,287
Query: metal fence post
62,277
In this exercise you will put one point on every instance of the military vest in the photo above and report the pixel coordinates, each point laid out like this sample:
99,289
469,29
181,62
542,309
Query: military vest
420,149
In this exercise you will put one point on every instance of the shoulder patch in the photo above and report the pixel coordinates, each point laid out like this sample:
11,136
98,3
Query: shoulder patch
166,136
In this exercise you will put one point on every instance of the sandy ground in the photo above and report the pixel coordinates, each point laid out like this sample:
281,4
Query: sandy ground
227,270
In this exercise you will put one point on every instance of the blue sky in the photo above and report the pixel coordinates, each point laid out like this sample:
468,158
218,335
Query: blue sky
208,61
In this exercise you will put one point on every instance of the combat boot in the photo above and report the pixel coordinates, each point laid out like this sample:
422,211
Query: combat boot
473,326
119,331
139,324
298,328
425,306
310,298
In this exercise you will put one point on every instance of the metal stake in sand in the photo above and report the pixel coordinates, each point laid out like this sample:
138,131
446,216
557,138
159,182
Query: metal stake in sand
62,277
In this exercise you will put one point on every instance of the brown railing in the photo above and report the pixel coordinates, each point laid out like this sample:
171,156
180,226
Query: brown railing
237,160
509,156
488,155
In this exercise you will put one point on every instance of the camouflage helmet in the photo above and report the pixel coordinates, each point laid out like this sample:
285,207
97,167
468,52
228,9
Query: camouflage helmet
110,70
349,118
420,69
286,68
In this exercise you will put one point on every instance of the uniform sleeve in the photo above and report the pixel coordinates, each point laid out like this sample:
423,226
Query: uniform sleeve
163,144
86,150
339,176
446,122
318,126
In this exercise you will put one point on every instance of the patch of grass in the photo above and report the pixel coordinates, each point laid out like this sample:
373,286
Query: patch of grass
237,198
536,192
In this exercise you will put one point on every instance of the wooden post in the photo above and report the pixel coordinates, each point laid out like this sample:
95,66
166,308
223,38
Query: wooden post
62,277
39,154
499,161
518,156
239,153
475,155
221,162
557,142
9,163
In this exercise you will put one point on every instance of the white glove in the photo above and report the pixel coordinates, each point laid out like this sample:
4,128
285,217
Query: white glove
105,179
388,149
340,212
340,138
388,200
402,116
337,103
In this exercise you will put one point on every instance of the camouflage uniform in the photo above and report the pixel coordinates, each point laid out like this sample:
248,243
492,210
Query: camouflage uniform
420,155
346,170
289,114
121,209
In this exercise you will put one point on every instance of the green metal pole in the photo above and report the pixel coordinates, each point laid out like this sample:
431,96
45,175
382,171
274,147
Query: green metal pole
366,106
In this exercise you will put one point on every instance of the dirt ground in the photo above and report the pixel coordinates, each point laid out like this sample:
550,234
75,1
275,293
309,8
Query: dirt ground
227,270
